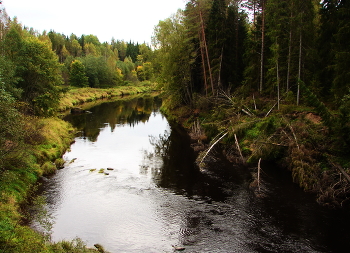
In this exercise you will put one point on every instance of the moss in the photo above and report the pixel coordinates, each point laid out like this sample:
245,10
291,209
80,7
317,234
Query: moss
59,162
48,167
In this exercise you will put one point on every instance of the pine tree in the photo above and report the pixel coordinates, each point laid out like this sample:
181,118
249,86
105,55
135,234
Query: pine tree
232,63
196,13
326,40
215,35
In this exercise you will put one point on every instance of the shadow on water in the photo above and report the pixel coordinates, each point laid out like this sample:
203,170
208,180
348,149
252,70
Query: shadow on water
156,196
289,220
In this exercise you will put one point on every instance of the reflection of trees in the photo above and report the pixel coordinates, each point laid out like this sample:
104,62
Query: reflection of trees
177,169
128,111
153,161
178,172
161,144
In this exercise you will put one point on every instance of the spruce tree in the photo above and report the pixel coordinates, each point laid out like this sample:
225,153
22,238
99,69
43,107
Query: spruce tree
326,40
215,34
341,82
232,63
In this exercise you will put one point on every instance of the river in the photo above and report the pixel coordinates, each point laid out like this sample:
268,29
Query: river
130,183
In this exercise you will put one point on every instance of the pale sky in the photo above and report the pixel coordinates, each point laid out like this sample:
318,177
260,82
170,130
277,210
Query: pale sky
122,19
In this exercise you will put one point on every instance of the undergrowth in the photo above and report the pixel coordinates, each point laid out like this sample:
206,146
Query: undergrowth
308,140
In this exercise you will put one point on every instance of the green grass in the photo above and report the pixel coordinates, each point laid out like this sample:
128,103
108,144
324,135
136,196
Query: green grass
77,96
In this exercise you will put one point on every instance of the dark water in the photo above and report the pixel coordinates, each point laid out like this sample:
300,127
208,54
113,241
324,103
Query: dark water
156,197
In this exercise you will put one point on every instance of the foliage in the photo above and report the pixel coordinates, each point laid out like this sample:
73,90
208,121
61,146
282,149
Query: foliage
78,74
36,70
174,58
11,131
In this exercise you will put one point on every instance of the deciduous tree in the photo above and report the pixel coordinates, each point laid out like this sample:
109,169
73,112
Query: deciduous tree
78,74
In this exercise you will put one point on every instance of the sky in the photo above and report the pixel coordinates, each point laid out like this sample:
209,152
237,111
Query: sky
122,19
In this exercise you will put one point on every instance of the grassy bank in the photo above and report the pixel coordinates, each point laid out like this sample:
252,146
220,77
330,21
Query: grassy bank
37,152
46,141
76,96
297,138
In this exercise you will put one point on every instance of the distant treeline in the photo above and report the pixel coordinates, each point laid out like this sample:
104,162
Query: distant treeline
34,66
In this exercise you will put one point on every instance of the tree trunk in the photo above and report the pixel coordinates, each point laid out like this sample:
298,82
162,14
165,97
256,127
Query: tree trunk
289,58
219,81
207,53
262,46
299,70
203,65
278,78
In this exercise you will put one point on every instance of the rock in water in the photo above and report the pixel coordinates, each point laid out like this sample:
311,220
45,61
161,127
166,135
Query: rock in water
99,247
178,248
77,110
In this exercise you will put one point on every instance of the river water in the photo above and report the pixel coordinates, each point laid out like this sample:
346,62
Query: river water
130,183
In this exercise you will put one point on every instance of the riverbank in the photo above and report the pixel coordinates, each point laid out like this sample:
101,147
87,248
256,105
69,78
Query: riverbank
45,141
296,138
48,138
77,96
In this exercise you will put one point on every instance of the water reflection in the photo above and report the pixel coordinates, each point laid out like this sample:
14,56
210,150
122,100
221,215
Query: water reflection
117,113
155,196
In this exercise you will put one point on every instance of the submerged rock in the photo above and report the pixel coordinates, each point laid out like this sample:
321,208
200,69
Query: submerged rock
76,110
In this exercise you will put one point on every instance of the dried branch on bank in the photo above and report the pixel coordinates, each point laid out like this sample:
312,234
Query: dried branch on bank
212,145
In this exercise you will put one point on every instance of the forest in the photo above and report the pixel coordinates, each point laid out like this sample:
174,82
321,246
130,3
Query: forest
267,79
268,47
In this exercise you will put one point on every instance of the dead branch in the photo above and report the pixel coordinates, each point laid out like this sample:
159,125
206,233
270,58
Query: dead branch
239,149
246,112
346,175
254,102
295,137
271,143
211,146
259,168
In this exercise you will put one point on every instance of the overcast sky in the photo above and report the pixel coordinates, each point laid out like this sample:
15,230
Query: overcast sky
122,19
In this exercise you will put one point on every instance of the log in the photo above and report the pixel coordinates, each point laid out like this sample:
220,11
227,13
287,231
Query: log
259,168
